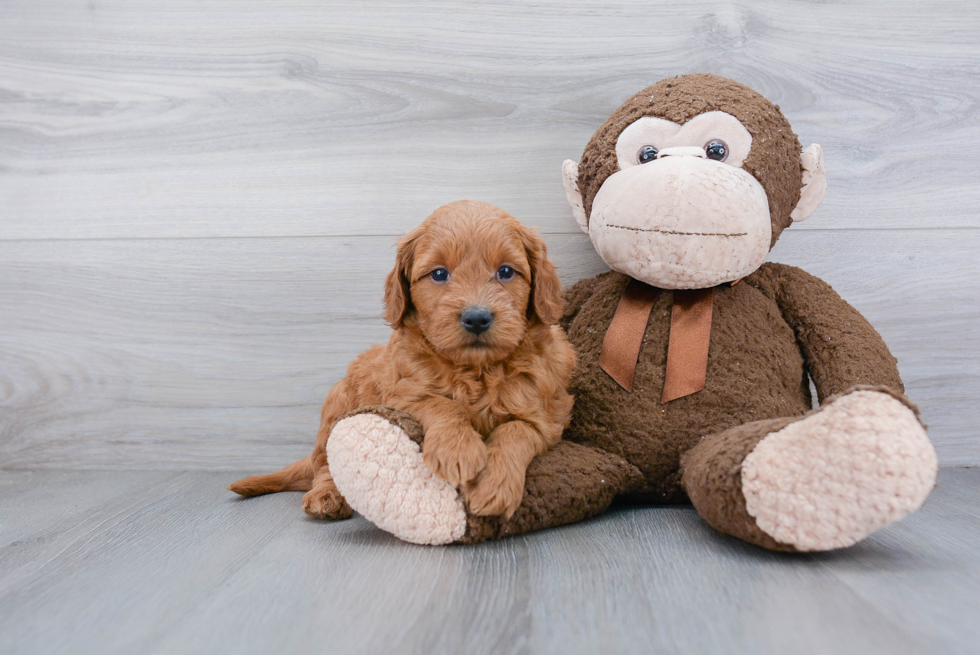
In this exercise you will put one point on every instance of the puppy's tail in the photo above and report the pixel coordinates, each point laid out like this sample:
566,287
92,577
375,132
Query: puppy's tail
298,476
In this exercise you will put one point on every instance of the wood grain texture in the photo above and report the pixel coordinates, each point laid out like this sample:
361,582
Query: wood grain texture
216,353
174,119
171,563
198,200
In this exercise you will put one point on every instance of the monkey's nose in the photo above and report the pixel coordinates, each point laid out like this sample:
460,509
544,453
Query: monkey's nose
476,320
690,151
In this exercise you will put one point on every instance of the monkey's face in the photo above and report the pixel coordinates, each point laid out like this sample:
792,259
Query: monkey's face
690,182
681,213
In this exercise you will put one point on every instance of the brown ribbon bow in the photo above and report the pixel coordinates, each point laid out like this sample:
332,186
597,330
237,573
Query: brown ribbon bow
687,349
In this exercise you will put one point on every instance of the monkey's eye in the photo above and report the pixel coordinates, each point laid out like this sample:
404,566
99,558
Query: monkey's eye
716,149
439,275
646,154
505,273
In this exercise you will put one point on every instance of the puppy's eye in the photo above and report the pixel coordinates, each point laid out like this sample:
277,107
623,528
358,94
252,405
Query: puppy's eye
646,154
439,275
505,273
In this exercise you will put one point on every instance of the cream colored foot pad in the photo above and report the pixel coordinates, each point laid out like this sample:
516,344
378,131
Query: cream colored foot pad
835,477
380,472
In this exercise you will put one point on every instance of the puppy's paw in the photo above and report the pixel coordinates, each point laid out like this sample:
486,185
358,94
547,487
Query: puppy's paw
456,458
497,491
326,503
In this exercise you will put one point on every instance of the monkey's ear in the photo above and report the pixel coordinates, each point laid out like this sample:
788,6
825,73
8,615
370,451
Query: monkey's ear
569,174
398,298
814,183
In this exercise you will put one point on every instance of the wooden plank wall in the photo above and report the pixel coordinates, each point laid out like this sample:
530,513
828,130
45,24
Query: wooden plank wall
198,200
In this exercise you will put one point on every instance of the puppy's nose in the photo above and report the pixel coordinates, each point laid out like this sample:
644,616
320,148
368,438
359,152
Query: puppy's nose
476,319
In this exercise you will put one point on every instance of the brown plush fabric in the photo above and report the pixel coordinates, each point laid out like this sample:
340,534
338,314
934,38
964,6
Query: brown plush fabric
397,417
566,484
713,479
775,147
840,347
755,372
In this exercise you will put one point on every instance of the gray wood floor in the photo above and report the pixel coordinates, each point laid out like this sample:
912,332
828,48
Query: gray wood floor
169,562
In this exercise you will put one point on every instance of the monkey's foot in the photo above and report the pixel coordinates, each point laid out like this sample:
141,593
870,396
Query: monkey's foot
376,461
860,463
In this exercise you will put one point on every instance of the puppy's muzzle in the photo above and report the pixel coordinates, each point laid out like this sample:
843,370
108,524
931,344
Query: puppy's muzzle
476,320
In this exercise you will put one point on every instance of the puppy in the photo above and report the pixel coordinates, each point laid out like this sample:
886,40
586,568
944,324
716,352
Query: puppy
475,356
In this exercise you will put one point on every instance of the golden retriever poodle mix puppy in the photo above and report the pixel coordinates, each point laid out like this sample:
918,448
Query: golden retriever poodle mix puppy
475,357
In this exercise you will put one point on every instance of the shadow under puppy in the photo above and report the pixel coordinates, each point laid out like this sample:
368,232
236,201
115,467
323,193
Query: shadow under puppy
475,357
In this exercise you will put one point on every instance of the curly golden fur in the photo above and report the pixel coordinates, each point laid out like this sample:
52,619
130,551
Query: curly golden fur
489,402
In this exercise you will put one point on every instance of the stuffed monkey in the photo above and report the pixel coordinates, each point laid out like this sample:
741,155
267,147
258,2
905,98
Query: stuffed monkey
694,355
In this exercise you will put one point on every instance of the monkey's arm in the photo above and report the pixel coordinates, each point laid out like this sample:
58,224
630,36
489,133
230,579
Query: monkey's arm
840,347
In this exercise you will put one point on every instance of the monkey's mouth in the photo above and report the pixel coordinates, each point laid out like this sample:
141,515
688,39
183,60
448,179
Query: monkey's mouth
687,234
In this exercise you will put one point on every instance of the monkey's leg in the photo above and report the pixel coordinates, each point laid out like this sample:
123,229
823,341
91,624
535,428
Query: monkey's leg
376,462
822,481
566,484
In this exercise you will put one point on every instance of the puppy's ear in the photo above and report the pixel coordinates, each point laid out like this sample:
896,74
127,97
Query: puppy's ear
545,303
398,297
